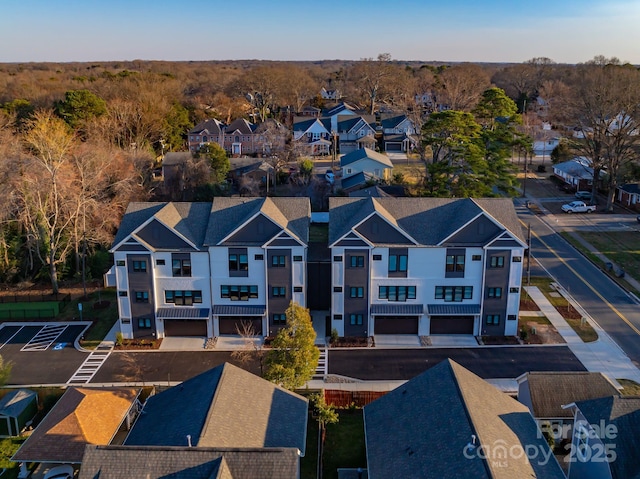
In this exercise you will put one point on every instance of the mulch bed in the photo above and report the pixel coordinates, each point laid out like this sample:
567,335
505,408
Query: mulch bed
528,305
499,340
139,344
352,342
569,312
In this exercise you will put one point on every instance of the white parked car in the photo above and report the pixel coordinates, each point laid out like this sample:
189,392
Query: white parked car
578,207
330,177
60,472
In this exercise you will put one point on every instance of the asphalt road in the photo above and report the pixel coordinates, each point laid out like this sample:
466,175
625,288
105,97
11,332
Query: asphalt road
608,304
487,362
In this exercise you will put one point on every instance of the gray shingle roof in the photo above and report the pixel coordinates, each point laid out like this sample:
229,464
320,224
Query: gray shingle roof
550,391
223,407
14,402
176,158
189,219
392,122
212,126
227,214
422,429
363,153
624,414
243,126
427,220
143,462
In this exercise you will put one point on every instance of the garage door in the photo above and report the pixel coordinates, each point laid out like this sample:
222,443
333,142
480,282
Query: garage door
452,324
396,324
393,146
185,327
233,324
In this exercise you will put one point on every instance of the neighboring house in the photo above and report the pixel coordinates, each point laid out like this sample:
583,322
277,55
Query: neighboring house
239,138
366,161
399,133
576,172
355,133
17,409
449,423
606,439
356,182
208,131
173,169
545,394
331,94
342,109
313,136
148,462
370,192
206,269
224,407
81,416
629,195
545,145
425,266
310,111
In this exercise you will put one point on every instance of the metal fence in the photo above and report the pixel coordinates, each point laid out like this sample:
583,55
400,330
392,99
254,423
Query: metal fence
22,314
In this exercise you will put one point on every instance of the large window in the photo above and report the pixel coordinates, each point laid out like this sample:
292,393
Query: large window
356,292
238,262
278,291
455,263
355,319
182,297
278,261
140,266
142,296
496,262
181,267
397,293
493,319
144,323
454,293
356,261
494,292
397,263
279,318
238,293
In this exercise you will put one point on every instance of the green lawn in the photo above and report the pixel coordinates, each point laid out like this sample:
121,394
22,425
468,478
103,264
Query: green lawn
8,447
318,233
344,444
103,318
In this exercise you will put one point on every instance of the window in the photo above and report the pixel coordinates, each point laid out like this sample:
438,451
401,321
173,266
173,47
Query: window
125,320
123,294
377,257
337,289
397,293
455,263
160,262
144,323
238,293
259,257
517,259
454,293
182,297
297,289
181,267
356,261
512,317
297,258
278,261
356,292
514,290
278,291
476,257
238,262
397,263
337,317
279,318
494,292
120,262
142,296
497,262
493,319
355,319
140,266
337,259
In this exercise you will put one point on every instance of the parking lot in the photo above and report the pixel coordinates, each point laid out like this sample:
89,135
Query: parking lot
41,353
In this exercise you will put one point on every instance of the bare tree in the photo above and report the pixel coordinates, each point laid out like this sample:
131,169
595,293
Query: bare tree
461,86
253,347
370,76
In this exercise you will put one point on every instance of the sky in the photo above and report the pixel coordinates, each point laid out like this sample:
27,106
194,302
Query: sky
566,31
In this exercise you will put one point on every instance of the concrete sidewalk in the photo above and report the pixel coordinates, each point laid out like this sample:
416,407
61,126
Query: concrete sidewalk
602,355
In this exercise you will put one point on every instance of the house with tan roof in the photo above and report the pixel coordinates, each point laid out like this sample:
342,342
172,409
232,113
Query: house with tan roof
81,416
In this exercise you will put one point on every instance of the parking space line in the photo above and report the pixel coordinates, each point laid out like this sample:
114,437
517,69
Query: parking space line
12,336
44,338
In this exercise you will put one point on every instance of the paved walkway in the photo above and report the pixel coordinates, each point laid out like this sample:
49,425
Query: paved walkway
602,355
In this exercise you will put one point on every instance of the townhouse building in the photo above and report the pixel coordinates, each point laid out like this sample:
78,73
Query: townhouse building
205,269
425,266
